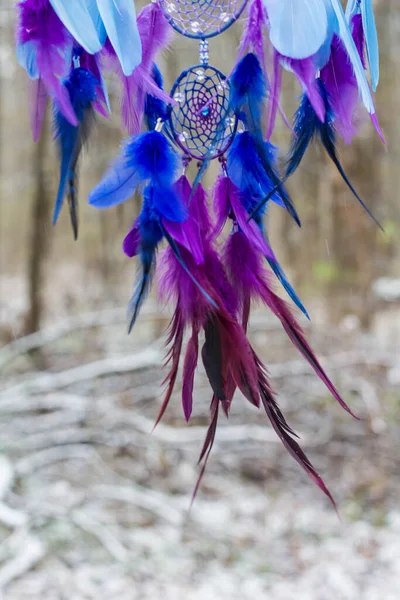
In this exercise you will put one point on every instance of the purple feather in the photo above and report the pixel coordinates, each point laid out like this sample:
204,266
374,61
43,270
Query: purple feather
252,39
37,106
305,71
341,85
155,34
40,26
131,243
359,37
188,234
228,204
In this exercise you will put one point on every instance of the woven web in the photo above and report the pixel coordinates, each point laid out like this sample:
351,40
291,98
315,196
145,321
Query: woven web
200,123
202,18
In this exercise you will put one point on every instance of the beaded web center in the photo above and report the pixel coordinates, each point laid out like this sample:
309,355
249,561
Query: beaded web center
202,94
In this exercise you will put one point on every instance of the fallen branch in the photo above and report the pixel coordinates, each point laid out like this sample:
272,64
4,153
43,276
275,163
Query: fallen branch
47,382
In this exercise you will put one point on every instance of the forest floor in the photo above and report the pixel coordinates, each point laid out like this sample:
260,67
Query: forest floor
95,506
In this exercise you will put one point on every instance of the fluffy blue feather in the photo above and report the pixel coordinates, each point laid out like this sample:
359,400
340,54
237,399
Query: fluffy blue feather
151,155
148,157
119,18
81,87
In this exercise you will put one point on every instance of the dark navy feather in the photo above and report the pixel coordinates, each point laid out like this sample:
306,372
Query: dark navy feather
307,126
155,108
151,234
212,358
81,87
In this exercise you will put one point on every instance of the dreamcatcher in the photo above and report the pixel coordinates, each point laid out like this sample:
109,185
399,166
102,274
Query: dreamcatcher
210,278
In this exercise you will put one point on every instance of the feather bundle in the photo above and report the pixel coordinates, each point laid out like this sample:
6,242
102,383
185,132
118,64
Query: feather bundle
155,34
44,49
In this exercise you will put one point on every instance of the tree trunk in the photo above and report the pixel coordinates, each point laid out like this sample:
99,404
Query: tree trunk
39,238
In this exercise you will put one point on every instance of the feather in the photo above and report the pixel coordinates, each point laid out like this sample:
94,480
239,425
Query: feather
298,27
274,97
341,87
213,358
81,87
131,243
305,71
247,274
252,37
189,368
155,108
279,273
155,34
43,49
175,337
119,19
351,49
247,92
37,106
148,157
83,21
285,433
366,30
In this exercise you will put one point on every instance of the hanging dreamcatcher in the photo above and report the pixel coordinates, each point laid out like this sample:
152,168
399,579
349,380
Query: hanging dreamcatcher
210,278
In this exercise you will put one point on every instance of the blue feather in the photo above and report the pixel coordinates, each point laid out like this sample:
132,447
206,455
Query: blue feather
155,108
148,157
152,156
371,38
298,28
278,271
117,185
151,235
83,21
27,58
81,87
119,18
248,89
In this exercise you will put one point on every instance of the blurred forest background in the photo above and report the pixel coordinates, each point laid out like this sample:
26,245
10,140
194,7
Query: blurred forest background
91,505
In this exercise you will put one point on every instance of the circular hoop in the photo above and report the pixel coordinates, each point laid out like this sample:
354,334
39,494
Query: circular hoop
199,123
201,19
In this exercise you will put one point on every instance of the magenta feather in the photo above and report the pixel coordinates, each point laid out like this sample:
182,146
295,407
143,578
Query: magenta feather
250,281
